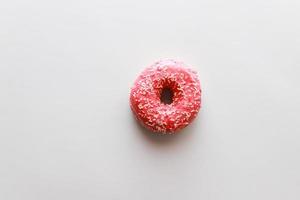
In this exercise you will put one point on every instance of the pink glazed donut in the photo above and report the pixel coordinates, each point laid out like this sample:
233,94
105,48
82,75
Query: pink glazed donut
166,96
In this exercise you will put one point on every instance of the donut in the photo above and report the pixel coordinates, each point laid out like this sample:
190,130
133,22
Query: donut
166,96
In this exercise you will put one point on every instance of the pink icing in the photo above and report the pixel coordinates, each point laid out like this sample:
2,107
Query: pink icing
145,96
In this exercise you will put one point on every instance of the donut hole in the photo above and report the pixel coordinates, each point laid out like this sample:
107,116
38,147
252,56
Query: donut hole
166,95
168,91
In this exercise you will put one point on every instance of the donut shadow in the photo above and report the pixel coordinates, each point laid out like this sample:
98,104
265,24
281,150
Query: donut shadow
181,136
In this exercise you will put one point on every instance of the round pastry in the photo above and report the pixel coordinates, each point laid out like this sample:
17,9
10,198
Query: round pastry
166,96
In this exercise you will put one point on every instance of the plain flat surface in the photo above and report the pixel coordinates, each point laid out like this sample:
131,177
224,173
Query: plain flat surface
66,130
